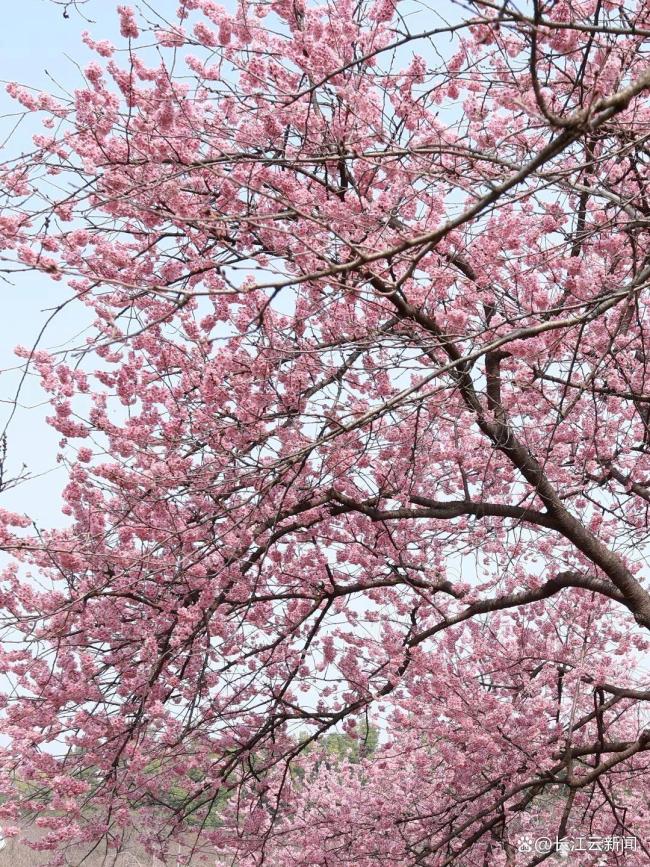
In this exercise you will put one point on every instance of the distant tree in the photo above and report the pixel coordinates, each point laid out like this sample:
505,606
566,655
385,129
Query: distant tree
360,435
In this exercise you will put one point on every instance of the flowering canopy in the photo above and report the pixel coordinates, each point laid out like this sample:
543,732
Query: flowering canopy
360,436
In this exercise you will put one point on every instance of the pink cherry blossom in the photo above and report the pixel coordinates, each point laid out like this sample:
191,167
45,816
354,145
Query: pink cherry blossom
357,447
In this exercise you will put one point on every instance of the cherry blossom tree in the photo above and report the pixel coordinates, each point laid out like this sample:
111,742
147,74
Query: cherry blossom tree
359,440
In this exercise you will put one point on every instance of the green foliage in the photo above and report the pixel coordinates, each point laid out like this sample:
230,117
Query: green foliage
352,749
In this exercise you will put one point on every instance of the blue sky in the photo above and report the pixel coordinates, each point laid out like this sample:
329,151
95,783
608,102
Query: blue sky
39,47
